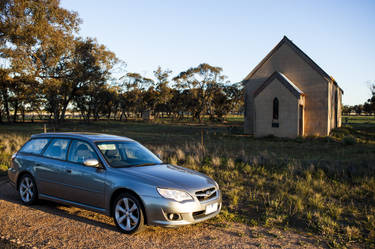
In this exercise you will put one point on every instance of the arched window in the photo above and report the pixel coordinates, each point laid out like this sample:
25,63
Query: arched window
275,109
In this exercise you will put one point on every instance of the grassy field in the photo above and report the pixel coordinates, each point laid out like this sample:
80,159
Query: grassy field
322,185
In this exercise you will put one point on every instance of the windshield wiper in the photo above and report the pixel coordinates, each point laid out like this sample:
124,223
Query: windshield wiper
144,164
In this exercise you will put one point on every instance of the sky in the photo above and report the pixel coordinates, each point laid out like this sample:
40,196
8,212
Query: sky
236,35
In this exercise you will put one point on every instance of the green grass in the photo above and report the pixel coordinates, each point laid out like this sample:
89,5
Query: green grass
323,185
358,120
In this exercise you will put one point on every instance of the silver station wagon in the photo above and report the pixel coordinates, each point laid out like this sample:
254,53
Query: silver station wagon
113,175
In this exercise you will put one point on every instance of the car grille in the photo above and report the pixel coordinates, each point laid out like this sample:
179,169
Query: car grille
206,194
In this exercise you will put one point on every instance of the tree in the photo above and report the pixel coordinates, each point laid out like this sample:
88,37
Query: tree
369,106
23,96
235,93
358,109
346,109
4,92
221,103
35,40
163,91
201,81
133,86
91,66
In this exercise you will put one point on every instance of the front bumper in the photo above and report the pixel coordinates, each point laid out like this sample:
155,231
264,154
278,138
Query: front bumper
158,210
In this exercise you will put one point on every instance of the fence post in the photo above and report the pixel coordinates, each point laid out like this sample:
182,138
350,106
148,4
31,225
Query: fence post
202,138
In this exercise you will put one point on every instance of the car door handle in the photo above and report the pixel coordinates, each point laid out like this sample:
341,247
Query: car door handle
69,171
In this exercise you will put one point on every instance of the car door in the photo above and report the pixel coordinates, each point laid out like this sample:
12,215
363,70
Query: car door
85,184
50,168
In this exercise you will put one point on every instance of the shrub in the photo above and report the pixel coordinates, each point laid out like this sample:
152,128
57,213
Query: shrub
216,161
340,132
349,140
230,163
3,170
172,160
180,155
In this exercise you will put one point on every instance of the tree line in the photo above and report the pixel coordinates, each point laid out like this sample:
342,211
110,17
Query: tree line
45,67
366,108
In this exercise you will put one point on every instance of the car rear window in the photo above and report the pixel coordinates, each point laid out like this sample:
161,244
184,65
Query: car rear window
35,146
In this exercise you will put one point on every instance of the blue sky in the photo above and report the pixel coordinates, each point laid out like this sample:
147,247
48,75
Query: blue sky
236,35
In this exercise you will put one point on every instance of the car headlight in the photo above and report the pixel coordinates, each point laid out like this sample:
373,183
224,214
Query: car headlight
173,194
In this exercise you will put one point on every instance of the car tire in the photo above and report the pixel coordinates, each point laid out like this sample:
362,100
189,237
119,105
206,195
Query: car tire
27,190
128,213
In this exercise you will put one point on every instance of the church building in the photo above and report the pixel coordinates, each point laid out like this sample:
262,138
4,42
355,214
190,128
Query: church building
288,95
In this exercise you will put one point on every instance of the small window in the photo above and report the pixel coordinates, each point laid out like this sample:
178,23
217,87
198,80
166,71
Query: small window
275,109
81,151
57,149
35,146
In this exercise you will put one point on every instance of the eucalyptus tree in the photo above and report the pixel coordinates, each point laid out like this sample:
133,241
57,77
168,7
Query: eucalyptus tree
369,106
235,93
163,91
202,82
4,93
85,85
134,86
110,101
35,39
221,103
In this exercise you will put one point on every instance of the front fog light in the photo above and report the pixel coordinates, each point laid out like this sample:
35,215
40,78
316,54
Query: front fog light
173,216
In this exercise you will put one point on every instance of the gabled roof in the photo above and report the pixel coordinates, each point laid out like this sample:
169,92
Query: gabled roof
284,80
302,54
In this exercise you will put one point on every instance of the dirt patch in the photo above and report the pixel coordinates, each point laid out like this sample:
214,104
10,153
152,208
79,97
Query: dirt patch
50,225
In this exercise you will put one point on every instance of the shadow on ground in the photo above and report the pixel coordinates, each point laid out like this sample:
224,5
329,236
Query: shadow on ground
8,193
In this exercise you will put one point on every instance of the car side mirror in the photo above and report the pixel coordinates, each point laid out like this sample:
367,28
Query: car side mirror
91,163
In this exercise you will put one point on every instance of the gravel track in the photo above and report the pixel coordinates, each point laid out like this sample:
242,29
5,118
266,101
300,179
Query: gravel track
50,225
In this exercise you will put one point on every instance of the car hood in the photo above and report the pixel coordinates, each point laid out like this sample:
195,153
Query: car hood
171,176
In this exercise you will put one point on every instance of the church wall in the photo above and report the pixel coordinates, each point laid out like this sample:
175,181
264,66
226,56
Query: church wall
288,111
339,107
314,86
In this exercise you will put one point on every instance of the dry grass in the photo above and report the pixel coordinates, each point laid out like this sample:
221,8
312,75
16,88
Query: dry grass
322,185
9,144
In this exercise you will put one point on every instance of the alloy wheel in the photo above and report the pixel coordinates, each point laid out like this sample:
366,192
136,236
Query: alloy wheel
127,214
27,190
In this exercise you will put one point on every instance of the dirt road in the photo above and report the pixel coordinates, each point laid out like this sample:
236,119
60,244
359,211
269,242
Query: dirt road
49,225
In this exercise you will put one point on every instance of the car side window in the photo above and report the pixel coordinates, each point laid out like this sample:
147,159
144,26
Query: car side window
35,146
81,151
57,149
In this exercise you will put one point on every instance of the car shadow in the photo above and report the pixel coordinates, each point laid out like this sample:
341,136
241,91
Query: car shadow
9,194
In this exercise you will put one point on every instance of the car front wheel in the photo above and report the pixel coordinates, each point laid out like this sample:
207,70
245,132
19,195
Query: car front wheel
128,214
27,190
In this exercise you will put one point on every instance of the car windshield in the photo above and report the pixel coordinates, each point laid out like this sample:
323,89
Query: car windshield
127,154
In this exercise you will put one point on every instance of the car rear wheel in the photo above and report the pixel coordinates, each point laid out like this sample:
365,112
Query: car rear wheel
128,214
27,190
